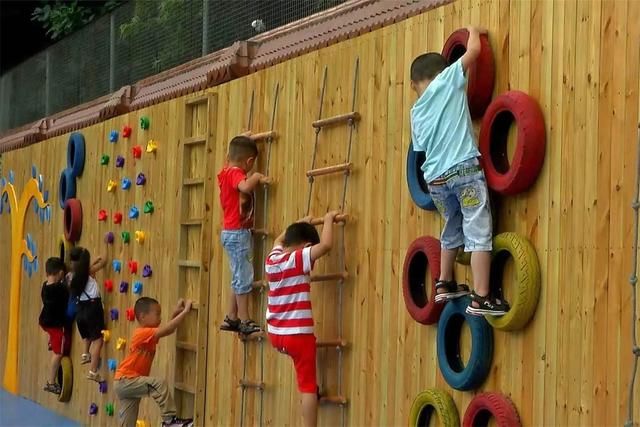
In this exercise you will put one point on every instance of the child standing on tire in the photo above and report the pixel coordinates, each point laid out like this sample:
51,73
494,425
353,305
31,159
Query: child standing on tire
441,127
235,198
90,316
53,319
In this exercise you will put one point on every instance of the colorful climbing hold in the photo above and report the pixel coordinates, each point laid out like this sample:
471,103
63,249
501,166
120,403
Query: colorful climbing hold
126,237
106,335
108,409
148,207
93,409
146,271
104,160
136,151
108,238
114,314
119,162
152,146
120,343
134,212
117,265
126,183
141,179
133,266
126,131
137,288
102,215
102,386
144,122
124,287
113,136
112,364
139,237
108,285
131,316
142,423
117,218
111,186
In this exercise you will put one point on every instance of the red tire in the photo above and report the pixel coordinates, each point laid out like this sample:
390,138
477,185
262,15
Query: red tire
514,178
481,76
491,405
72,220
418,298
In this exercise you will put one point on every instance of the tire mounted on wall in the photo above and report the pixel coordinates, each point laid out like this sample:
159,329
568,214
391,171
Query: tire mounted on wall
419,296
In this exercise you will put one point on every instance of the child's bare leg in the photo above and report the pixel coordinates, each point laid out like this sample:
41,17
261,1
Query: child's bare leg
310,409
447,258
96,347
55,364
233,306
481,268
87,344
243,306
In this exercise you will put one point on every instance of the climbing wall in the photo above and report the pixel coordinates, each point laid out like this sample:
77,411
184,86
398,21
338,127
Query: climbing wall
570,364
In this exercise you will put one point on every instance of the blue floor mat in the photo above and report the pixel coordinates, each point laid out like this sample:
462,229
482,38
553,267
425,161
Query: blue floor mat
17,411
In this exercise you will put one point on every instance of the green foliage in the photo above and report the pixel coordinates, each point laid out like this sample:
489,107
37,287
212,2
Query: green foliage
61,18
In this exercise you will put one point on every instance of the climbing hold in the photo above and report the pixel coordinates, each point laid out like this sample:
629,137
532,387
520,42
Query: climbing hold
137,288
114,314
133,267
126,237
119,162
124,287
126,131
111,186
106,335
108,238
120,343
152,146
104,160
108,409
144,122
131,316
126,183
136,151
141,179
113,136
112,364
117,265
117,218
102,215
146,271
108,285
93,409
142,423
134,212
148,207
76,154
139,237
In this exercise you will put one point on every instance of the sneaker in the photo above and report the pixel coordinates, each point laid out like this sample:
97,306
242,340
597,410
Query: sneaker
230,325
94,376
178,422
486,305
85,358
248,327
451,289
53,388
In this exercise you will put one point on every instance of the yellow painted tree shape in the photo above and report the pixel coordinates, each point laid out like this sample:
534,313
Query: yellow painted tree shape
18,209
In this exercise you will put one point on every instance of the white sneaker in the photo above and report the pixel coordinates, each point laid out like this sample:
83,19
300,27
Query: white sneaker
85,358
94,376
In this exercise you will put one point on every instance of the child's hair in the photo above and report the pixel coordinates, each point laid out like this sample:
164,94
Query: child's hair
54,265
427,66
241,148
301,232
143,305
81,265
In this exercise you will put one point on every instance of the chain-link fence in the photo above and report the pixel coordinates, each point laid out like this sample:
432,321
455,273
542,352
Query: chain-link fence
137,40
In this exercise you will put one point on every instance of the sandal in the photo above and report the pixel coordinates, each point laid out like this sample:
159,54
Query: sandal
248,327
452,290
486,305
53,388
85,358
230,325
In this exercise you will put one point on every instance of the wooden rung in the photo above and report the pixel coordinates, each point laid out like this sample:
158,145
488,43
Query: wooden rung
336,120
336,400
329,277
185,387
332,343
342,218
195,140
250,384
195,306
186,346
194,221
188,263
262,136
260,231
197,100
256,336
193,181
344,167
258,284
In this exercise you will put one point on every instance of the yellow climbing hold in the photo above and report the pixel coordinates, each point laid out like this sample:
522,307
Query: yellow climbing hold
120,343
142,423
111,186
106,335
139,236
152,146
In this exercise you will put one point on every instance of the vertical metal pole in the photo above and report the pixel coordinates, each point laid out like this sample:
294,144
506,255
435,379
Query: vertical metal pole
112,53
47,84
205,27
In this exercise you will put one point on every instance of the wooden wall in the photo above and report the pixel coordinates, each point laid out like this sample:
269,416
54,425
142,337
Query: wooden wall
570,366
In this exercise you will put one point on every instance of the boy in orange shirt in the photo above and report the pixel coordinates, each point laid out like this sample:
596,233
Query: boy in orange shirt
132,376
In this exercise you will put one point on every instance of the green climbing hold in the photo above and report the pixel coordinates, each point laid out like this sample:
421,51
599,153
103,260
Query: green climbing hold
104,160
148,207
109,409
144,122
126,236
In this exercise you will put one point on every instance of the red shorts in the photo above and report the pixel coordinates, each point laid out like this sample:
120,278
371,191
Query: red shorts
302,349
59,339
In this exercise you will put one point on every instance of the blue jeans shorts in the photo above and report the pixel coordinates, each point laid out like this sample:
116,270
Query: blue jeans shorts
462,198
238,244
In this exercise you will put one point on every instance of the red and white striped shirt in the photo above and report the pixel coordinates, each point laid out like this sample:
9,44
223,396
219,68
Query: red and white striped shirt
289,307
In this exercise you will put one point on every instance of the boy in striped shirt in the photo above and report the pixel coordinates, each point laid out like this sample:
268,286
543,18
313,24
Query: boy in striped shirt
289,317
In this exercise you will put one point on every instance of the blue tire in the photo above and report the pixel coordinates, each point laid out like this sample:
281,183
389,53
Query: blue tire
457,373
67,187
76,154
415,180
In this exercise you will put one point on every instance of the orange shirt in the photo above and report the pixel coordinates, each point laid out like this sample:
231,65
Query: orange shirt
142,348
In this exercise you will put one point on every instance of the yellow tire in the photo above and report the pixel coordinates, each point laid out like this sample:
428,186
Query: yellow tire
65,378
64,249
526,280
430,401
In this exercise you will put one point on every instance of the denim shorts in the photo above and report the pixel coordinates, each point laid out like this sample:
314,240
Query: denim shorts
239,247
462,198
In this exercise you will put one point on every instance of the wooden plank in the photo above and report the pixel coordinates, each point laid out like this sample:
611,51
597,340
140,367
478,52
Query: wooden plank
186,346
345,118
344,167
194,140
193,181
189,263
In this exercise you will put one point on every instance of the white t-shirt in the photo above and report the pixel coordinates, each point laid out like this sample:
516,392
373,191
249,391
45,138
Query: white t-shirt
90,290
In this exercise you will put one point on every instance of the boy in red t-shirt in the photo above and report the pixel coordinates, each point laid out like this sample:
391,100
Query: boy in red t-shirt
236,199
